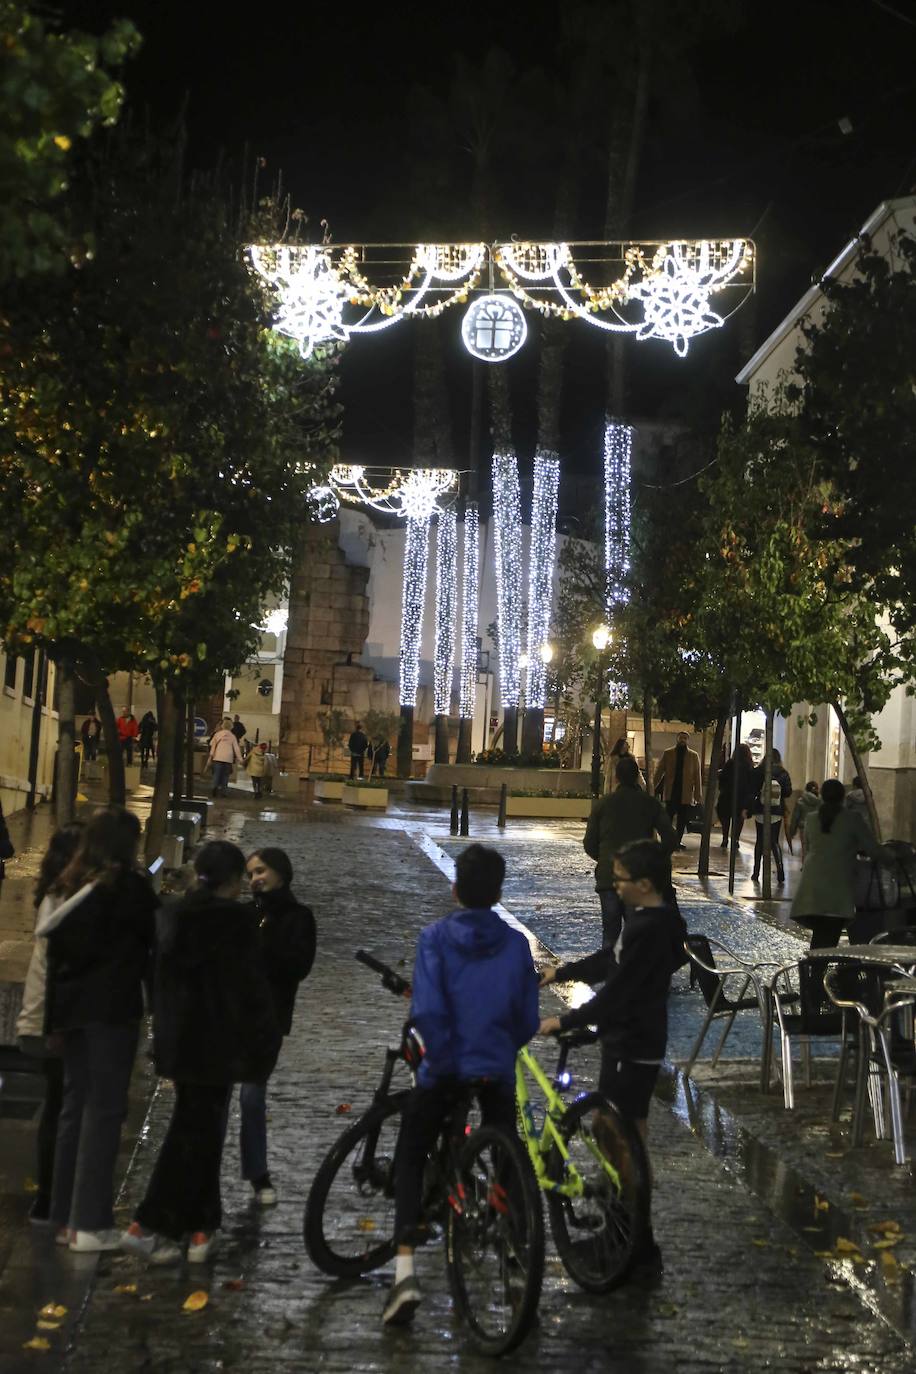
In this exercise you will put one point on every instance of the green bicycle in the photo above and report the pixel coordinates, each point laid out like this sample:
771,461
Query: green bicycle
592,1166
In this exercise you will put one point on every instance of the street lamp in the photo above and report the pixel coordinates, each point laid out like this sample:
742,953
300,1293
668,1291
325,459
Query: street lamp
546,653
601,638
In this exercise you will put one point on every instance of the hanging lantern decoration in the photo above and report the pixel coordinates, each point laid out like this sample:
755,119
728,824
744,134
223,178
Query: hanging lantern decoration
494,328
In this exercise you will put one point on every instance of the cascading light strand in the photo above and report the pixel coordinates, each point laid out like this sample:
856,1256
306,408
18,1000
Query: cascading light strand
413,600
446,606
467,685
618,445
507,520
541,551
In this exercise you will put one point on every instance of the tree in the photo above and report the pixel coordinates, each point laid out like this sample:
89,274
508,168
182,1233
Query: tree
155,439
333,727
55,89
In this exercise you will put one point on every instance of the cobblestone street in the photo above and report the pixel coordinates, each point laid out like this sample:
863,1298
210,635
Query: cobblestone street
744,1288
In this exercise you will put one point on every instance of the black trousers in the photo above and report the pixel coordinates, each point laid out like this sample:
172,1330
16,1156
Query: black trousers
356,765
774,845
52,1069
183,1194
421,1123
678,812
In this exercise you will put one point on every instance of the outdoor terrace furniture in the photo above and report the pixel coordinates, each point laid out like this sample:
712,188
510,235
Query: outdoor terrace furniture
713,980
886,1054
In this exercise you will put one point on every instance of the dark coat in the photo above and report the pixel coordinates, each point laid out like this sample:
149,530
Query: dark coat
625,815
747,789
214,1019
99,954
287,935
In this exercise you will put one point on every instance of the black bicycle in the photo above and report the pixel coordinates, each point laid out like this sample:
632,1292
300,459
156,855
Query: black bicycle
479,1192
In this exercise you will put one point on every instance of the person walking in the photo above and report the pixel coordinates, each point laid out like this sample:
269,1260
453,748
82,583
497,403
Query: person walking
256,763
678,774
286,934
90,732
775,804
30,1024
628,813
743,760
808,801
148,728
855,800
621,750
238,729
214,1024
128,730
224,753
98,920
834,838
380,762
357,744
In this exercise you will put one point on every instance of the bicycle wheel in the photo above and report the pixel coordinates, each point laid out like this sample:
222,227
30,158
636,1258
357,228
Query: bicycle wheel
349,1216
599,1229
495,1240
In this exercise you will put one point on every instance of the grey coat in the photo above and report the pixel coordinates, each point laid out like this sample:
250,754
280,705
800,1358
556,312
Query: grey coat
828,879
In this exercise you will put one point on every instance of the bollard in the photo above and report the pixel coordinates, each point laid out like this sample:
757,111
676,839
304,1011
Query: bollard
501,818
464,812
453,821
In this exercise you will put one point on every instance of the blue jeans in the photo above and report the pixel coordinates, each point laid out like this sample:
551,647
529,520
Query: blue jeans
221,773
253,1130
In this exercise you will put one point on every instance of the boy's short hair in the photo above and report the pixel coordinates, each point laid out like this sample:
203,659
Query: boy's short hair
479,874
627,770
647,859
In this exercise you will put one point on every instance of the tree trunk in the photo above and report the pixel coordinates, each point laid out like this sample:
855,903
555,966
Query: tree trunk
442,740
117,791
405,743
767,810
178,749
709,800
168,711
38,692
533,731
463,754
647,735
733,833
861,770
66,742
510,729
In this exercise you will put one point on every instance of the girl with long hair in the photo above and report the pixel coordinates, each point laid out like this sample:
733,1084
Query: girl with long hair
834,837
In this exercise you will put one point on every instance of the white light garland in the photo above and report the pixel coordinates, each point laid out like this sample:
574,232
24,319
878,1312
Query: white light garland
413,493
618,445
467,683
413,601
446,606
541,550
507,520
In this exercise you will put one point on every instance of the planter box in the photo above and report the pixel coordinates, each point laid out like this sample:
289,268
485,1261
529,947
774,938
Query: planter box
365,796
131,776
556,807
287,784
329,791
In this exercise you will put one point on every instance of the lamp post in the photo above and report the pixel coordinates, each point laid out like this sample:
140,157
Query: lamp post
601,638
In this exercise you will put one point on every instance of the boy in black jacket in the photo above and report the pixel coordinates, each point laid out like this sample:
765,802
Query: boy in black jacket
631,1010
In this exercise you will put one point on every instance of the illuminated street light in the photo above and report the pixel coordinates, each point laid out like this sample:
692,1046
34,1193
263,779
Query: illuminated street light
546,653
601,638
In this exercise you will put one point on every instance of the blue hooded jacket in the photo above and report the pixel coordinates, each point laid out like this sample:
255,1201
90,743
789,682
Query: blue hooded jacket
475,997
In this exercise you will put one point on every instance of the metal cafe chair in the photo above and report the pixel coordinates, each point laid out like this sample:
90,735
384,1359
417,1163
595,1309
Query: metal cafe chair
713,980
884,1057
816,1015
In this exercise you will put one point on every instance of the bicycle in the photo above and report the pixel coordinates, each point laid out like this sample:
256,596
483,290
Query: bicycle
478,1190
592,1166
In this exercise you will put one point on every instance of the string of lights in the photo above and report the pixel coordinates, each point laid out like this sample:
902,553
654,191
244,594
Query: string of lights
467,684
507,520
446,604
541,551
618,445
413,600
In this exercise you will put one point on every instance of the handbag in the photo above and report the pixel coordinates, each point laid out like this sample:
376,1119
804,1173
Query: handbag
695,820
877,888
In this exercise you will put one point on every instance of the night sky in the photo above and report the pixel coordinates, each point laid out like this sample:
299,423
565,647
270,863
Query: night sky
743,137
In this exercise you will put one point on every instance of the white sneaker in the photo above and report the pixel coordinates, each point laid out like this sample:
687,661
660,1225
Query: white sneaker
94,1242
403,1300
266,1197
63,1235
150,1245
201,1246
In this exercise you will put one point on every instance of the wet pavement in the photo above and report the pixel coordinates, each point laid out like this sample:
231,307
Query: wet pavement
746,1194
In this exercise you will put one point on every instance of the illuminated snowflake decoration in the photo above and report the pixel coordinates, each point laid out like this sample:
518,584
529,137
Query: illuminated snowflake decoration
676,304
310,296
419,490
324,502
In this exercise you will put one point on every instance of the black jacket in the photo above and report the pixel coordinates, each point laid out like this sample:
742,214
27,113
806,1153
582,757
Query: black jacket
287,936
213,1014
358,743
627,814
99,955
631,1010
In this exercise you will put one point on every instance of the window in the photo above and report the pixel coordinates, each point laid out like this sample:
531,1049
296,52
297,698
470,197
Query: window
28,677
9,672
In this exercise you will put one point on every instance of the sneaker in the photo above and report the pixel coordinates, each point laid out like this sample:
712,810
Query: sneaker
403,1300
149,1245
265,1194
63,1235
40,1212
201,1246
94,1242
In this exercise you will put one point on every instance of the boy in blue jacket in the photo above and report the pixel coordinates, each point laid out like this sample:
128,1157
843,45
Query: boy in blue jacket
475,1003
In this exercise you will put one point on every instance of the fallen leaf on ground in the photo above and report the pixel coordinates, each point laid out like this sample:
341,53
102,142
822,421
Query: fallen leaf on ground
761,1243
833,1154
196,1302
234,1285
54,1310
47,1326
146,1297
845,1246
820,1204
890,1262
857,1200
887,1242
342,1108
30,1186
126,1288
816,1229
880,1228
365,1224
37,1343
825,1254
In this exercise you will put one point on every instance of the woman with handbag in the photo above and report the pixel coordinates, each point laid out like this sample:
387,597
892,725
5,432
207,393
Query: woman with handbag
214,1024
834,838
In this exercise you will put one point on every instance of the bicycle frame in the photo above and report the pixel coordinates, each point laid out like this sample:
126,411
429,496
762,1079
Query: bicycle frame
539,1143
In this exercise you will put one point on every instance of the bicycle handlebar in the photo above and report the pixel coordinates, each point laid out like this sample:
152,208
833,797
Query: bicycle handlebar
390,980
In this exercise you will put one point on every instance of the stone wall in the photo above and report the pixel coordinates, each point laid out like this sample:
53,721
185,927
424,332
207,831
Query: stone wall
328,625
